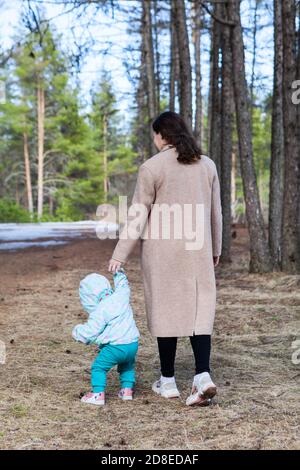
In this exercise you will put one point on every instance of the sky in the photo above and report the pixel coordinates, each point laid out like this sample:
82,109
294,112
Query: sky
103,28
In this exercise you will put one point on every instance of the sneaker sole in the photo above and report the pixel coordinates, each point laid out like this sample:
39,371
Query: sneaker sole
177,395
126,398
97,404
200,401
170,396
209,393
204,399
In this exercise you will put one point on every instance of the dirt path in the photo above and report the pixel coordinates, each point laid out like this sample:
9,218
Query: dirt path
45,372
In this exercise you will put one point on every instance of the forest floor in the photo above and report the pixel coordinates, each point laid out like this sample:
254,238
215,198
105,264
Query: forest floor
257,320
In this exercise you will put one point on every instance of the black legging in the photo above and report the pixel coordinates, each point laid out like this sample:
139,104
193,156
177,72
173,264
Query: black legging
201,345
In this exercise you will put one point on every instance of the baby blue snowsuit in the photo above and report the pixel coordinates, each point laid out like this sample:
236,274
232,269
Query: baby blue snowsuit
110,326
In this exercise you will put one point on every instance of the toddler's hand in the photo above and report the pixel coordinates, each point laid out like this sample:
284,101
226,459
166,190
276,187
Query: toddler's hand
114,266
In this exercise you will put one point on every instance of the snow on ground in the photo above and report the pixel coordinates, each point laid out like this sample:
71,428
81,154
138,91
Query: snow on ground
17,236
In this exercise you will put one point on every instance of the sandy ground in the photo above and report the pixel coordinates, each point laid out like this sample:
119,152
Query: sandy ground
257,320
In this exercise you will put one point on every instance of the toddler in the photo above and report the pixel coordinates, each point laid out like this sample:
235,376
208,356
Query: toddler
112,328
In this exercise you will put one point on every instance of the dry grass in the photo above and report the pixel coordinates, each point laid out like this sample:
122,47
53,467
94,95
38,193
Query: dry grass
45,372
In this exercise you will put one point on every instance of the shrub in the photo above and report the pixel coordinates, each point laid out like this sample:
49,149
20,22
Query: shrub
12,212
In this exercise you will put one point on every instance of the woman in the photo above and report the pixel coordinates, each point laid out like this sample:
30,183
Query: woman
178,276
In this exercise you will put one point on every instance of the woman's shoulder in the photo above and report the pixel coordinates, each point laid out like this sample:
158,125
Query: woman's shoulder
159,159
151,164
209,163
155,164
207,160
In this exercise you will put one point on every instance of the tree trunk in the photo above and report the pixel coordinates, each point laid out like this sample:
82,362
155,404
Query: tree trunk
291,200
185,98
41,132
51,203
196,37
277,145
233,182
17,194
227,110
27,173
298,107
157,55
105,173
253,57
209,110
260,260
143,136
174,66
298,55
150,69
215,117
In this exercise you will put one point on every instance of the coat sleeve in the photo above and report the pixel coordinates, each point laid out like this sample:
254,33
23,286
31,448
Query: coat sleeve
121,296
105,312
144,196
216,216
88,332
115,305
121,283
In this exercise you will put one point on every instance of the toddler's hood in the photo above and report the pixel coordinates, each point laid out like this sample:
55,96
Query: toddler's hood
90,290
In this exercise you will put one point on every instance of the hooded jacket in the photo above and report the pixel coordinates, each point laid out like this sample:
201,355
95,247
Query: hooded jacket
110,313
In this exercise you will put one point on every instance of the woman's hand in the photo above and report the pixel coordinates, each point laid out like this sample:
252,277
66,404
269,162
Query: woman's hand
216,260
114,265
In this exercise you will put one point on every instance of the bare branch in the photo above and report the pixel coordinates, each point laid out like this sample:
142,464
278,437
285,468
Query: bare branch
219,20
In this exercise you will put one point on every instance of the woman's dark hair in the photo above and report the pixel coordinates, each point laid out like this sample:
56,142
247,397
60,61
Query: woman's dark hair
173,129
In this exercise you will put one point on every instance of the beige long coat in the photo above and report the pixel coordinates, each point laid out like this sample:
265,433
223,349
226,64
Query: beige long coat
179,282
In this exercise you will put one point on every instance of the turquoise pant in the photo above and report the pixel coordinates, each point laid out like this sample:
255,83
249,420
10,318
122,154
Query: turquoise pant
110,355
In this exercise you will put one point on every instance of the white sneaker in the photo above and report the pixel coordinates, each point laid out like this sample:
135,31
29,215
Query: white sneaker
166,389
126,394
94,398
203,390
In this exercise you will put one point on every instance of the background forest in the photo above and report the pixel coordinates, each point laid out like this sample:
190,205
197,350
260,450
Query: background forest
62,153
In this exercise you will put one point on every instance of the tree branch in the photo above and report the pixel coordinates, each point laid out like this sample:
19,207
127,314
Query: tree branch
216,18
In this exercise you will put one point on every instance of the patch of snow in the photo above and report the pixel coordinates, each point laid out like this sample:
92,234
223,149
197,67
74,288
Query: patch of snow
31,231
14,246
15,236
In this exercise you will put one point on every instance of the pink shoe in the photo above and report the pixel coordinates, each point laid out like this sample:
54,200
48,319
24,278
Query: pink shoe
94,398
126,394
